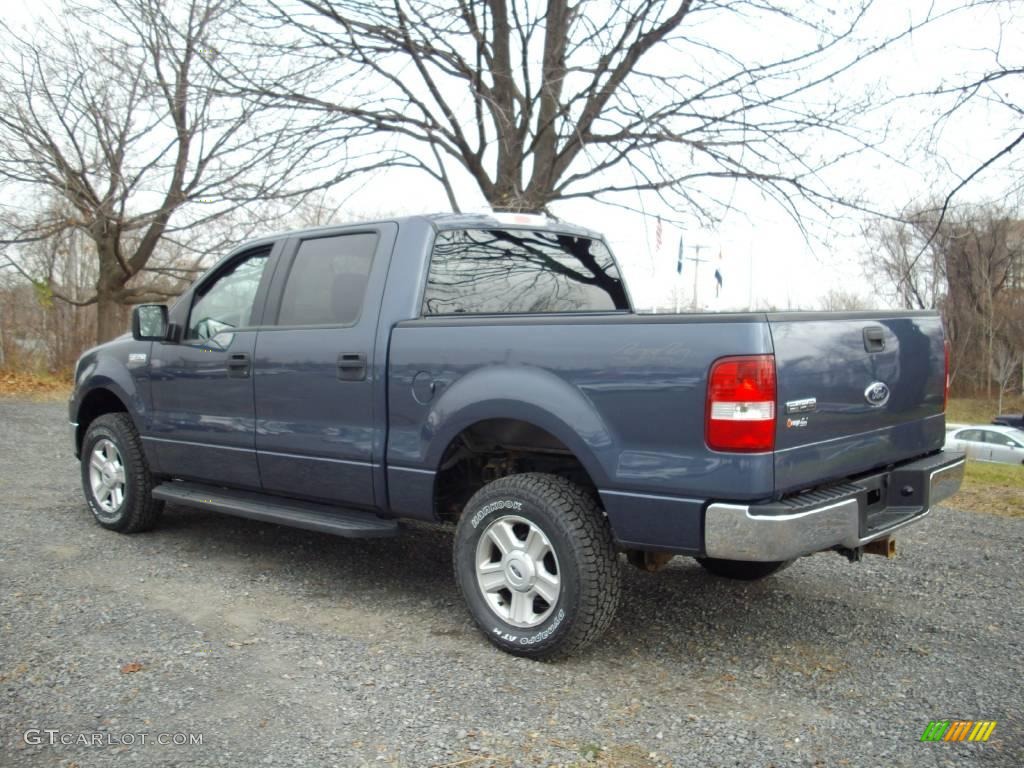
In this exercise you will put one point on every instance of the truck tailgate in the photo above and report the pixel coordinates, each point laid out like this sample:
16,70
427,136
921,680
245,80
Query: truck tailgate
856,391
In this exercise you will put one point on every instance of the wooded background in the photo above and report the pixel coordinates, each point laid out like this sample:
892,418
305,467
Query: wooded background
140,140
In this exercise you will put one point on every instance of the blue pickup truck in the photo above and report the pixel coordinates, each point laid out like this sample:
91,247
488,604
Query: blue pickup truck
489,372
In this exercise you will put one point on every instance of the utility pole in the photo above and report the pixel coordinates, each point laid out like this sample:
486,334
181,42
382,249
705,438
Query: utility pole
677,288
750,276
697,261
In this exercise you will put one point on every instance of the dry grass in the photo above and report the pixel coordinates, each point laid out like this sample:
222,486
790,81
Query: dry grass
34,385
994,488
968,410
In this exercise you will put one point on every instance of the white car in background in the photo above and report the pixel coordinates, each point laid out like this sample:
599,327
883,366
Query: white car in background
987,442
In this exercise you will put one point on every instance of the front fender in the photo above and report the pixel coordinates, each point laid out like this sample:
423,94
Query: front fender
528,394
108,367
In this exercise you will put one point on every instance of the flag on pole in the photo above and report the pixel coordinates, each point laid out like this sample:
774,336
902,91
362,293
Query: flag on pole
679,259
657,236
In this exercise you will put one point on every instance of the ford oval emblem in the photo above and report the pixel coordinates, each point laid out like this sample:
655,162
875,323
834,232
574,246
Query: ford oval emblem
877,394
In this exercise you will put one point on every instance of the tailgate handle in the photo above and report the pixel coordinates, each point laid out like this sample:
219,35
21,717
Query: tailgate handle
874,338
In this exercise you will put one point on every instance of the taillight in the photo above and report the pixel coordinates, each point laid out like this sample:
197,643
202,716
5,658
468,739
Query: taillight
741,404
945,392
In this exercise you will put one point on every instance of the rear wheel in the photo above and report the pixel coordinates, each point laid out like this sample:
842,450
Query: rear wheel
742,570
115,476
536,565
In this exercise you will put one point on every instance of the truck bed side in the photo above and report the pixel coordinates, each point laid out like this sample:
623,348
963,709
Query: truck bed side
625,393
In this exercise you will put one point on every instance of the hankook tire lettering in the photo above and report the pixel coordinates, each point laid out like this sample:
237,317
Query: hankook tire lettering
500,504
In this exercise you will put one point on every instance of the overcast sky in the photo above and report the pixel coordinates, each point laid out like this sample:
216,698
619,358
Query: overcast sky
764,258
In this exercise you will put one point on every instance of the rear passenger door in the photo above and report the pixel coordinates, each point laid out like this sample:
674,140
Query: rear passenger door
317,370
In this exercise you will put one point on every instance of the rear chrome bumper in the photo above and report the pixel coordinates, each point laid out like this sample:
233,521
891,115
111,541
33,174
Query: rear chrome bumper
848,515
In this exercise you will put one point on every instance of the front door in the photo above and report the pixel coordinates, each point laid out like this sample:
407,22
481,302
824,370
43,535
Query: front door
1002,448
203,423
316,378
973,444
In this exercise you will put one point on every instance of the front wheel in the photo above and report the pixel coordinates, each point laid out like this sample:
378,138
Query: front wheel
742,570
536,565
115,476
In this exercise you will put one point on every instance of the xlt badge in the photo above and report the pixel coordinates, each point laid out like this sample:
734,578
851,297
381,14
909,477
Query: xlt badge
806,405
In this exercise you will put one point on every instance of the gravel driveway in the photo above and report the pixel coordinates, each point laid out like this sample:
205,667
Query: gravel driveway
288,648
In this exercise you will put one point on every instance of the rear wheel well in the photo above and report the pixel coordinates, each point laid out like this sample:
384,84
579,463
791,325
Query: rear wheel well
95,404
494,448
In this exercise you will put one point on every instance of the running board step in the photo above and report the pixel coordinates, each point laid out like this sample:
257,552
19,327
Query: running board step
272,509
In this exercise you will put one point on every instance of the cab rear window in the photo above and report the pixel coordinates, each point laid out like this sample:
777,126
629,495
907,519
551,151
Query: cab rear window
517,271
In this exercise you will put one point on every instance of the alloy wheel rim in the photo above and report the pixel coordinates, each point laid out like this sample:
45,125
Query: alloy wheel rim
517,571
107,478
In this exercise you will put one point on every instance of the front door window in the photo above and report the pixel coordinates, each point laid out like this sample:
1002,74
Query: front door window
226,304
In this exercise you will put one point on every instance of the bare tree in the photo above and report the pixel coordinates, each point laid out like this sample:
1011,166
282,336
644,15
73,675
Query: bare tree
112,125
1004,367
980,258
994,91
534,103
900,265
838,300
971,267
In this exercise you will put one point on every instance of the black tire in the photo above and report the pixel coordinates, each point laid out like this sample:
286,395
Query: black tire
742,570
138,510
576,533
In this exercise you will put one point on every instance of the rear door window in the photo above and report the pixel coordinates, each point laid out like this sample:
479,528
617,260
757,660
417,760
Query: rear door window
327,281
997,438
517,271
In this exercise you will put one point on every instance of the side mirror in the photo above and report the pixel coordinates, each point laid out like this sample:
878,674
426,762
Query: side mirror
149,322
